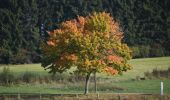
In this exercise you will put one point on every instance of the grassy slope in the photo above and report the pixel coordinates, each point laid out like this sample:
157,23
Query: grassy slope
24,68
139,67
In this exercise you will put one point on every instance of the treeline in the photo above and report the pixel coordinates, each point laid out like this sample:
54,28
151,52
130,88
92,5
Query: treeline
146,25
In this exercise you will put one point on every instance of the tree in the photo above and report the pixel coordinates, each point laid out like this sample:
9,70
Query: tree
19,37
11,30
92,44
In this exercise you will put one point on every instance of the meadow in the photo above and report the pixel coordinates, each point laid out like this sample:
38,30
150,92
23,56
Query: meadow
132,81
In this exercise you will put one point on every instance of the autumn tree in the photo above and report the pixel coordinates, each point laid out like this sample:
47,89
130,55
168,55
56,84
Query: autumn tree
93,44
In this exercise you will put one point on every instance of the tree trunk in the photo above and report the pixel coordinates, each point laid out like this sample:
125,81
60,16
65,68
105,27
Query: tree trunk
87,83
95,84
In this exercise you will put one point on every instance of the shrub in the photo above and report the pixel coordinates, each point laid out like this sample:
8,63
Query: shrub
144,50
20,57
158,74
157,50
29,77
141,51
5,56
136,52
7,77
154,50
76,78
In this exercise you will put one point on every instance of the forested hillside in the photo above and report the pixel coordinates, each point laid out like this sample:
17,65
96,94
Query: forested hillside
23,25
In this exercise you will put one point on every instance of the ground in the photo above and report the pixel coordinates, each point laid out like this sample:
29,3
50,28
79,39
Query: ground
127,83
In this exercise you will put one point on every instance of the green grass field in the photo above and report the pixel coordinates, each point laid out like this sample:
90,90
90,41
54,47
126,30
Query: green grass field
145,86
107,84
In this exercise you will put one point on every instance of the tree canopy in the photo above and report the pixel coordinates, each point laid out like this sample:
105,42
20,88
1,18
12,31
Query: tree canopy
92,44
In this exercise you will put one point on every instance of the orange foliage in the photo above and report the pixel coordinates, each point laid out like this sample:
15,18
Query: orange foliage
51,33
58,31
111,70
70,26
50,43
101,61
114,58
81,20
68,57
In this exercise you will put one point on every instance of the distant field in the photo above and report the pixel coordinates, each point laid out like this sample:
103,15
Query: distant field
139,67
144,65
110,84
25,67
